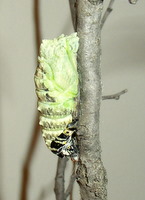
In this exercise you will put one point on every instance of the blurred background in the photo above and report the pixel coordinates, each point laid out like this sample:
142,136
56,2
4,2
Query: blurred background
122,131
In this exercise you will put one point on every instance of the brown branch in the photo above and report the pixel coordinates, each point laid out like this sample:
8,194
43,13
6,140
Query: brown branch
71,184
28,159
114,96
72,4
59,178
107,13
37,25
36,129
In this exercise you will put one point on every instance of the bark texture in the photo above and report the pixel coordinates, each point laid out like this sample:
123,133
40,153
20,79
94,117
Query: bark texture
91,174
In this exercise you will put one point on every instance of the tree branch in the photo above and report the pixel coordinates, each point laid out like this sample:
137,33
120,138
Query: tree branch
114,96
91,174
28,159
59,178
71,183
36,129
107,12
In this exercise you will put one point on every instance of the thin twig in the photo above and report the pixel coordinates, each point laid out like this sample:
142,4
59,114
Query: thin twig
59,178
36,129
60,175
37,24
114,96
45,191
28,159
72,4
107,12
71,184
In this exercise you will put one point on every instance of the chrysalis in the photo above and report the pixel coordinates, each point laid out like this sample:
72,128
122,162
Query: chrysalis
56,81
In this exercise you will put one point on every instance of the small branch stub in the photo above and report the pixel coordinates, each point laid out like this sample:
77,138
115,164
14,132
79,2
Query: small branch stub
107,12
114,96
133,1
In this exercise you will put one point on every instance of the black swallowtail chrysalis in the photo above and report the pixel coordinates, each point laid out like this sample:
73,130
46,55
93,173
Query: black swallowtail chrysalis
56,81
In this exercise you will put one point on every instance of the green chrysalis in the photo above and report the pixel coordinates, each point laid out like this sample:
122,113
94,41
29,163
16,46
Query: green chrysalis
56,81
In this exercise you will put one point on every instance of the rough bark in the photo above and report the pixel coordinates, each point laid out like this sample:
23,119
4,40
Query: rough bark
91,174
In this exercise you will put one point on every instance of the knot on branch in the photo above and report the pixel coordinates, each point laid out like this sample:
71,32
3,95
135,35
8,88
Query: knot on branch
133,1
95,2
92,181
109,9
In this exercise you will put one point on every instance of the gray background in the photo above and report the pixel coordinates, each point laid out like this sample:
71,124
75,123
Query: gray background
122,122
